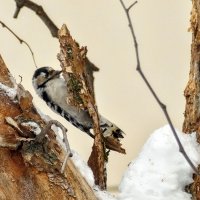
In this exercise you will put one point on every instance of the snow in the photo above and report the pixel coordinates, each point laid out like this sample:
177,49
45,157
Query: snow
103,195
34,127
86,172
82,166
11,92
160,172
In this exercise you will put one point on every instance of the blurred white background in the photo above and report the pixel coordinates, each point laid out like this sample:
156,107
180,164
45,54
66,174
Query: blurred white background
164,45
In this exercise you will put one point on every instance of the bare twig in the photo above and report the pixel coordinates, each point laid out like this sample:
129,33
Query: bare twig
131,5
20,79
41,136
162,106
40,12
20,40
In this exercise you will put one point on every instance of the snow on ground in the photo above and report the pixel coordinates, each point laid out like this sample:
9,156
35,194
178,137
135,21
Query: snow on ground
160,172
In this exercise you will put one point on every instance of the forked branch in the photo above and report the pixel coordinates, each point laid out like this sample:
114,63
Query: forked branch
162,106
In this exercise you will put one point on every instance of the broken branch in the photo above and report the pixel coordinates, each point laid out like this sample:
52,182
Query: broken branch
72,60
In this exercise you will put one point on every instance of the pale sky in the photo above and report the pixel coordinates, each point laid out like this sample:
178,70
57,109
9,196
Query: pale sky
164,45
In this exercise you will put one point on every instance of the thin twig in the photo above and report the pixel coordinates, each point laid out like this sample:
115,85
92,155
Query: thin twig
41,136
20,79
20,40
163,106
131,5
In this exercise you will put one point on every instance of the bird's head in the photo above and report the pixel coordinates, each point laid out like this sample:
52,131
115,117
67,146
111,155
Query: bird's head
43,75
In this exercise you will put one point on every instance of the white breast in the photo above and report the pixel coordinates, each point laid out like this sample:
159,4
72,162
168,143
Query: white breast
57,91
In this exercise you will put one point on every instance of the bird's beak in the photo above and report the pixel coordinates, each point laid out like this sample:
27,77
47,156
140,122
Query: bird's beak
56,73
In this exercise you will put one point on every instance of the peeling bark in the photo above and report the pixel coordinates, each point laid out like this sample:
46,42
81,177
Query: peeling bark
73,60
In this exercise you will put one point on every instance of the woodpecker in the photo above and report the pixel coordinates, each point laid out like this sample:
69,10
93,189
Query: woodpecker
52,88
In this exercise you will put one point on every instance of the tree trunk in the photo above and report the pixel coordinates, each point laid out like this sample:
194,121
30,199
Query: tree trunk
30,170
192,91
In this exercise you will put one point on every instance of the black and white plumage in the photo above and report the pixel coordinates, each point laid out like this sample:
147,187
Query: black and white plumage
51,87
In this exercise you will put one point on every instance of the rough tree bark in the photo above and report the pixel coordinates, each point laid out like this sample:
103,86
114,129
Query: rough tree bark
192,90
30,169
73,60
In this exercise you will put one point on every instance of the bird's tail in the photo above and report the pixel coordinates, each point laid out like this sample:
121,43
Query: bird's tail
112,135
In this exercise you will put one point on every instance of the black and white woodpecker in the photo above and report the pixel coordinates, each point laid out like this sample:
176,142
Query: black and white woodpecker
51,87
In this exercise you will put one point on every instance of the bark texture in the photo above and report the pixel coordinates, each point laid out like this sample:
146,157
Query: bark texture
73,61
31,169
192,91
